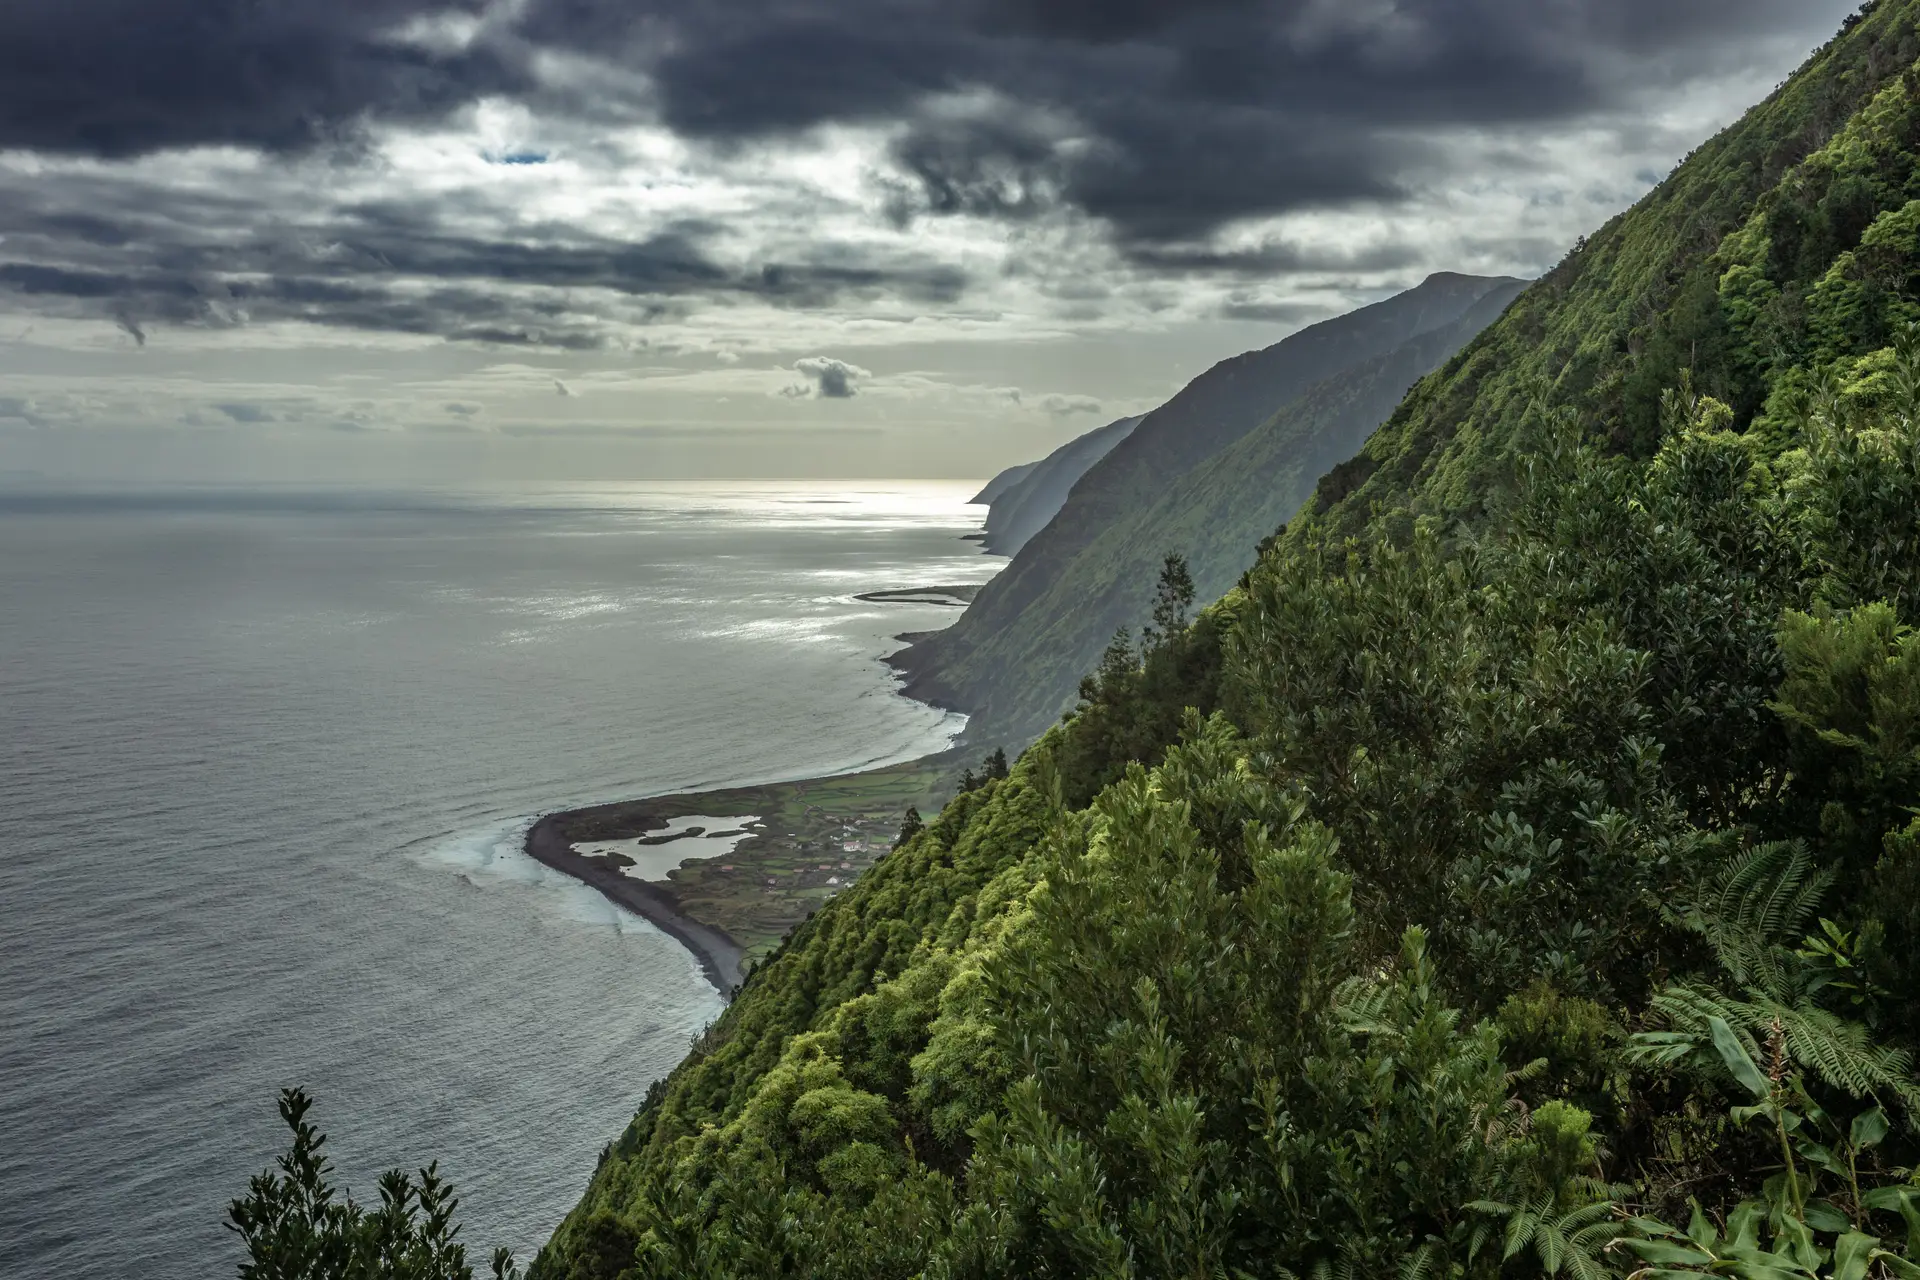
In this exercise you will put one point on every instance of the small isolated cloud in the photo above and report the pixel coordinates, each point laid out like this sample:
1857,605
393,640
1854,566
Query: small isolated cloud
562,390
829,379
1066,406
459,410
128,325
353,418
245,411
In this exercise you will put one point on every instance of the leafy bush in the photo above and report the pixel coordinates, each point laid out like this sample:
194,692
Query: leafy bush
296,1225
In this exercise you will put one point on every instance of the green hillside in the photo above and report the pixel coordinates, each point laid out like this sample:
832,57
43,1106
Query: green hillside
1023,500
1530,894
1778,251
1017,679
1013,659
1523,893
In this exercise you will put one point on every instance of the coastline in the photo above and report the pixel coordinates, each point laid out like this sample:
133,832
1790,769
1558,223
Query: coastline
721,959
812,838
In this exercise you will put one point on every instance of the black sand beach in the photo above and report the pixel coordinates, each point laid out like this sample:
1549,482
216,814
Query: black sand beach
721,959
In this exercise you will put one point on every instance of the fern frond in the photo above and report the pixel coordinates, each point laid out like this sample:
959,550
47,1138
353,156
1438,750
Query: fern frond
1524,1226
1761,899
1362,1005
1551,1244
1419,1263
1842,1054
1481,1231
1839,1052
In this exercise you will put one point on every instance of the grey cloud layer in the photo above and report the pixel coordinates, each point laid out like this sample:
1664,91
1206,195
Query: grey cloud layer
189,258
1167,117
1157,121
118,77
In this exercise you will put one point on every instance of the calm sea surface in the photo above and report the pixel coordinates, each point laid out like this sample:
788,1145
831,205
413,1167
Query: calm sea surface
265,761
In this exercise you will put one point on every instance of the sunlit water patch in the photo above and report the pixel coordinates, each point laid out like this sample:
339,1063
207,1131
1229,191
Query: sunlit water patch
270,756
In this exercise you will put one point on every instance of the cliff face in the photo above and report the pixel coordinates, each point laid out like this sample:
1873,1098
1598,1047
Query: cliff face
1208,475
1003,482
1425,865
1022,500
1776,249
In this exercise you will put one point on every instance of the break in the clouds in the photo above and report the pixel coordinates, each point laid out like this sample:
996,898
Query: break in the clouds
683,185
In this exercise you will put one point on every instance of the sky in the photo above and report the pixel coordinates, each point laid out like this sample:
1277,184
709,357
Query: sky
500,240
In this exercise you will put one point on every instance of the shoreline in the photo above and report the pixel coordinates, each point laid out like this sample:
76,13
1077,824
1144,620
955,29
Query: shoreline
721,959
959,596
814,837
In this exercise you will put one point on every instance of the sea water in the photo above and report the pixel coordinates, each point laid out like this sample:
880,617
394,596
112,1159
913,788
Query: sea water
266,759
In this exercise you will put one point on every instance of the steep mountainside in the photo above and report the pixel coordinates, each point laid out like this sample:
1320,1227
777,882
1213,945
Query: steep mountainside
1022,506
1525,890
1209,475
1776,249
1003,482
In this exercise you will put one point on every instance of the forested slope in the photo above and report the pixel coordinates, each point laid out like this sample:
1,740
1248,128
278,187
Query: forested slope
994,655
1778,247
1533,893
1023,500
1514,888
1213,514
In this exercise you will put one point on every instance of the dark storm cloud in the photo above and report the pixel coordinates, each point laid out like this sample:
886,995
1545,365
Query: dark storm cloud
1262,104
120,77
1168,118
395,267
1159,120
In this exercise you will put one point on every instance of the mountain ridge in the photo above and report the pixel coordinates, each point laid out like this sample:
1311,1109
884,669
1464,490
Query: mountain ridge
1015,657
1020,507
1430,902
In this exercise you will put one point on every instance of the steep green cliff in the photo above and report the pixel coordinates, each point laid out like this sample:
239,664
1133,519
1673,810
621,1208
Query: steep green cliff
1206,476
1777,249
1023,500
1545,872
1016,680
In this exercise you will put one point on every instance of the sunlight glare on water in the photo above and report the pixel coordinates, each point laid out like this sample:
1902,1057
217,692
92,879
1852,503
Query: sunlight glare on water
269,756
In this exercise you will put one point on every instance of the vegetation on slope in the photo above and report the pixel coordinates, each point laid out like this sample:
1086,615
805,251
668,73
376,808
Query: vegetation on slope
1517,895
1774,256
1532,881
1532,895
1012,660
1212,515
1021,501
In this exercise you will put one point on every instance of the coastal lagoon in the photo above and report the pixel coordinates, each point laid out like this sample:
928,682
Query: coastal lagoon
655,857
270,756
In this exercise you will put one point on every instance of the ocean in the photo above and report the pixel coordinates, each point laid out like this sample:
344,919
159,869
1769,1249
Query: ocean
267,758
